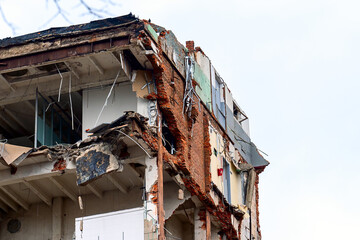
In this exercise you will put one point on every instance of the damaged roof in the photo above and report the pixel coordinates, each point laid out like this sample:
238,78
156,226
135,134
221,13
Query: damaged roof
52,33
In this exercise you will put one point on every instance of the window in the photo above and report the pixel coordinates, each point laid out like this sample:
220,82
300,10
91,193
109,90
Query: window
56,122
226,180
219,100
239,115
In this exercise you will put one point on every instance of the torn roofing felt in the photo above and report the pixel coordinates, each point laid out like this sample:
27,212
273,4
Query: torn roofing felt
71,30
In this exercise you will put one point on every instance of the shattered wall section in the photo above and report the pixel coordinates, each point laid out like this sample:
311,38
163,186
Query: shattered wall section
192,134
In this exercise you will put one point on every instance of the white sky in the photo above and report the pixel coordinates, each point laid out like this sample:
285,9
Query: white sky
293,67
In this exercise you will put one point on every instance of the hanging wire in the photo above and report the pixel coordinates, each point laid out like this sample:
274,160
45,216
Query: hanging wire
61,82
71,105
118,130
188,100
107,98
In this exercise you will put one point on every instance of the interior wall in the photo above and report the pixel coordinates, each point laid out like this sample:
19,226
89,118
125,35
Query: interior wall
235,186
171,200
217,144
122,99
178,229
214,232
36,223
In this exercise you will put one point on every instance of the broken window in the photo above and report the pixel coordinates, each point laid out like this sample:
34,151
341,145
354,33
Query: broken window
168,138
219,99
239,115
58,121
226,179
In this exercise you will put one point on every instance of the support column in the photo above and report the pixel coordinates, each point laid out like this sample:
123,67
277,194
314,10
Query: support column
57,217
161,213
208,226
200,231
151,216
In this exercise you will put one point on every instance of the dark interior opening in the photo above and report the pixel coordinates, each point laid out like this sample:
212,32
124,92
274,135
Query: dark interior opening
168,139
54,121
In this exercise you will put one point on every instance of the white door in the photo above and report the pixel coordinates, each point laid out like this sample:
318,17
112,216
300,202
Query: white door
120,225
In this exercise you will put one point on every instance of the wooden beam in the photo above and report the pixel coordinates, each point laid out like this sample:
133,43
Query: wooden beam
208,225
116,183
62,53
65,189
160,193
14,196
39,192
8,201
95,190
99,68
3,79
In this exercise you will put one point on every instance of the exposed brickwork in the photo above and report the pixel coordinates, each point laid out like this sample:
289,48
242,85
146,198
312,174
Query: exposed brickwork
190,45
193,149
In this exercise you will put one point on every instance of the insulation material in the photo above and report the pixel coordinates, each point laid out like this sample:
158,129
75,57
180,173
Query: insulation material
95,162
204,63
143,84
11,152
203,89
152,32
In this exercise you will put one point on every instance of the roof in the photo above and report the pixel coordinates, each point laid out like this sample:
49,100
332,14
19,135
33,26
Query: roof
70,30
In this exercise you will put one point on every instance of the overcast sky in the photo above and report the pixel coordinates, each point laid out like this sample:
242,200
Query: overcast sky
293,66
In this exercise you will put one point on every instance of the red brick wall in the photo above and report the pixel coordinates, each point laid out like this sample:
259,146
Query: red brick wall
192,153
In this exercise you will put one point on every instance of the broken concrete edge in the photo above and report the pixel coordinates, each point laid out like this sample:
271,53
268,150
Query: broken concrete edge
73,35
98,150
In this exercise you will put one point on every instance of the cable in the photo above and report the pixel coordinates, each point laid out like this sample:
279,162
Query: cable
134,142
107,98
71,105
61,82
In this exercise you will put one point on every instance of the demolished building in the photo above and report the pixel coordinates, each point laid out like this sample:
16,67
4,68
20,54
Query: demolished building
114,130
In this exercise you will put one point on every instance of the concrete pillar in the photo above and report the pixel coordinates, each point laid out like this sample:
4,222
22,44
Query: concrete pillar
57,218
199,228
151,218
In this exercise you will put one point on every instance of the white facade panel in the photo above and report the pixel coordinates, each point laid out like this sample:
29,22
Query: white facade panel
120,225
122,99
